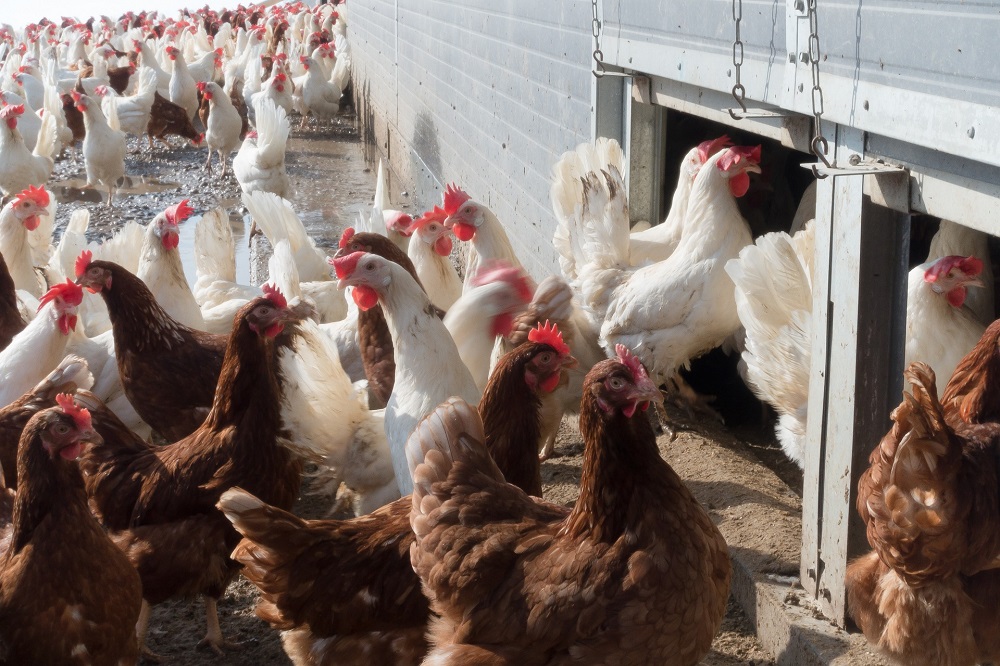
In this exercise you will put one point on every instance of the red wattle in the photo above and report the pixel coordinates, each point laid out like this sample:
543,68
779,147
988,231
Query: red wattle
550,383
443,245
71,452
956,296
739,184
464,231
170,240
31,223
274,329
629,409
365,297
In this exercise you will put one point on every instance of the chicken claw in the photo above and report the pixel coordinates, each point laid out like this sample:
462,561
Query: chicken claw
213,638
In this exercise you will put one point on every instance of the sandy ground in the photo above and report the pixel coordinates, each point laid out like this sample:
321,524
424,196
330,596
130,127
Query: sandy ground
333,184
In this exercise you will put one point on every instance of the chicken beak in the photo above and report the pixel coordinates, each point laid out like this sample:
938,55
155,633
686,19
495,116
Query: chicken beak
646,391
752,167
570,362
91,436
974,282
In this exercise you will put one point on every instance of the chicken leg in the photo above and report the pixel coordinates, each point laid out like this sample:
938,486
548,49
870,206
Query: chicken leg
208,162
686,398
213,637
141,627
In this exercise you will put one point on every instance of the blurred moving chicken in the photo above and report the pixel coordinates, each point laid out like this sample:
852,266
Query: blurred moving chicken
222,133
160,267
20,167
159,502
67,594
641,556
260,163
927,593
103,147
296,563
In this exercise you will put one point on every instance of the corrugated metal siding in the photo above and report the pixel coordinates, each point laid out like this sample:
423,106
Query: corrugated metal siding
486,93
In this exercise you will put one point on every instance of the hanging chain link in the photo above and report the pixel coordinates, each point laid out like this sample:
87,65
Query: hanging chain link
595,25
819,143
739,92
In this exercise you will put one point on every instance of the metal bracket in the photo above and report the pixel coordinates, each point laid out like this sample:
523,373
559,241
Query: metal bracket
740,114
856,166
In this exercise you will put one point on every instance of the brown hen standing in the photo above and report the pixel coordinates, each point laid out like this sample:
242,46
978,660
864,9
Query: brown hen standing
67,594
159,502
166,118
927,594
634,573
344,591
168,371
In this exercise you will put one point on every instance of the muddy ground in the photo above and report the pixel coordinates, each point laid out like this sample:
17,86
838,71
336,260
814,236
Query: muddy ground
332,184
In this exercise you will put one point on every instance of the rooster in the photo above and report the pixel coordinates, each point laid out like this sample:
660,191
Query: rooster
150,346
927,593
674,310
19,217
19,167
222,131
431,258
428,366
260,163
636,551
67,594
103,147
385,623
160,267
159,503
42,344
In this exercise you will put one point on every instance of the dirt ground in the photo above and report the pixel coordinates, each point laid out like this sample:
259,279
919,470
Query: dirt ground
333,184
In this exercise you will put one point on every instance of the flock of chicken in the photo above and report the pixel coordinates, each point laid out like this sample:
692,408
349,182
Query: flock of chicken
153,435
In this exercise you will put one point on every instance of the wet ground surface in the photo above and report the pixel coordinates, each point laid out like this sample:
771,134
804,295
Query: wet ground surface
332,184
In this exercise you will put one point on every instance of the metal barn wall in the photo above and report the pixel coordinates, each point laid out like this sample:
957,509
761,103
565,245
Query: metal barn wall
485,93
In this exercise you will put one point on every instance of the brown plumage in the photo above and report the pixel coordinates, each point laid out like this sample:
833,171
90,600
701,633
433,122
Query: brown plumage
71,374
167,118
67,594
344,590
374,340
11,321
931,503
118,77
168,371
159,502
236,97
74,118
634,573
973,392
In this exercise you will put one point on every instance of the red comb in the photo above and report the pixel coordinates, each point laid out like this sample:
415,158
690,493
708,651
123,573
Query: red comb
346,237
737,154
200,86
548,334
36,194
497,271
280,76
274,295
345,266
970,265
75,95
708,148
80,415
631,361
436,214
454,197
82,262
70,292
179,212
11,110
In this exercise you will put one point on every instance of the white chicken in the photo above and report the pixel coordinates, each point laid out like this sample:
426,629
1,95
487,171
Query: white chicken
674,310
428,366
160,267
20,167
224,124
216,290
314,95
260,163
182,90
278,89
148,59
39,348
132,111
103,147
397,223
207,67
430,253
957,239
30,123
17,219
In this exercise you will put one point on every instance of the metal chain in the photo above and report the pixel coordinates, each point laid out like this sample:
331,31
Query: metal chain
595,25
819,143
739,92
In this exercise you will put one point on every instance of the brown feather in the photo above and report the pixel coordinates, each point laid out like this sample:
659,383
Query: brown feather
11,321
167,118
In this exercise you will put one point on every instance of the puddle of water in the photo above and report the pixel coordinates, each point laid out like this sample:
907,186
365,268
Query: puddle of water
75,189
185,246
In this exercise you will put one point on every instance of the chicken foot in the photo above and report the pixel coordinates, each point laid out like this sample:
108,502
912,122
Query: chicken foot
680,393
141,627
213,637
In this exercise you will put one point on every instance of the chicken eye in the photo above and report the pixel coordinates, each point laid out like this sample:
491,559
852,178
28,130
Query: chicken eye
62,429
432,228
545,358
370,267
468,210
617,383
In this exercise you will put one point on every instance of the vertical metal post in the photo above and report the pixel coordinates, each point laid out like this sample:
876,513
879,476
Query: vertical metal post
647,140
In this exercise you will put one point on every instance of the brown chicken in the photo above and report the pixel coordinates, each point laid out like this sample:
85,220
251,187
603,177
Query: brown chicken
973,392
927,593
168,371
67,594
374,340
635,573
167,118
11,321
74,118
316,576
159,502
71,374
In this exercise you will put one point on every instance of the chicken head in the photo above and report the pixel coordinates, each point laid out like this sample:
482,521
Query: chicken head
736,164
369,274
400,222
623,384
545,369
66,298
952,275
29,204
269,313
10,113
506,303
66,429
91,275
165,224
430,228
464,214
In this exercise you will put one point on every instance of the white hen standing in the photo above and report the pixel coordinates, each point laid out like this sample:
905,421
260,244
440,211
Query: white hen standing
17,218
103,147
260,163
182,90
314,95
20,167
160,267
